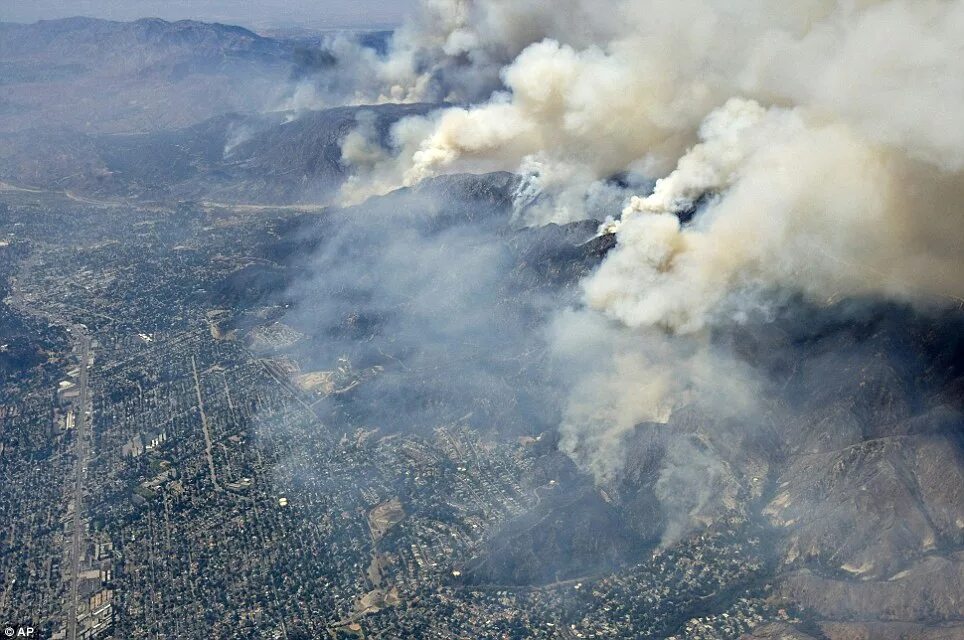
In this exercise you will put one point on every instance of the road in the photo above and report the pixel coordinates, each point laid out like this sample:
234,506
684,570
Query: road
208,446
81,452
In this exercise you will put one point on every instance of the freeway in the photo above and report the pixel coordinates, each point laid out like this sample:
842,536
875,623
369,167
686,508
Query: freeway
81,451
208,445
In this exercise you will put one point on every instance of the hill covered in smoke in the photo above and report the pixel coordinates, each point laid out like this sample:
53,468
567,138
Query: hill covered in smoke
825,164
782,299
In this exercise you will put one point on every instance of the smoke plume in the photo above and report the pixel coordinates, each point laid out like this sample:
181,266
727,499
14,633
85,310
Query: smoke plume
813,148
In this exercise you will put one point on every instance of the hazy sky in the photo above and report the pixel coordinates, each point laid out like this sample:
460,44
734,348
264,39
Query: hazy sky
308,13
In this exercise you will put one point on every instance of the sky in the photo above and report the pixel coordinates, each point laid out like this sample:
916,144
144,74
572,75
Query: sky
252,13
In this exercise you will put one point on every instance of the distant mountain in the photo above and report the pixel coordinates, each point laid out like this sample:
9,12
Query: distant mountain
266,158
102,76
99,76
149,39
187,110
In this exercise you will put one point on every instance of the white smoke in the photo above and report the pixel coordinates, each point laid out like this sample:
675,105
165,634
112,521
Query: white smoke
455,49
625,378
810,132
806,205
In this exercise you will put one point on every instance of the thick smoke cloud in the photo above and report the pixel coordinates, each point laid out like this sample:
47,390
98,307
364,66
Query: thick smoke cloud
630,91
450,51
455,50
624,378
801,204
810,149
